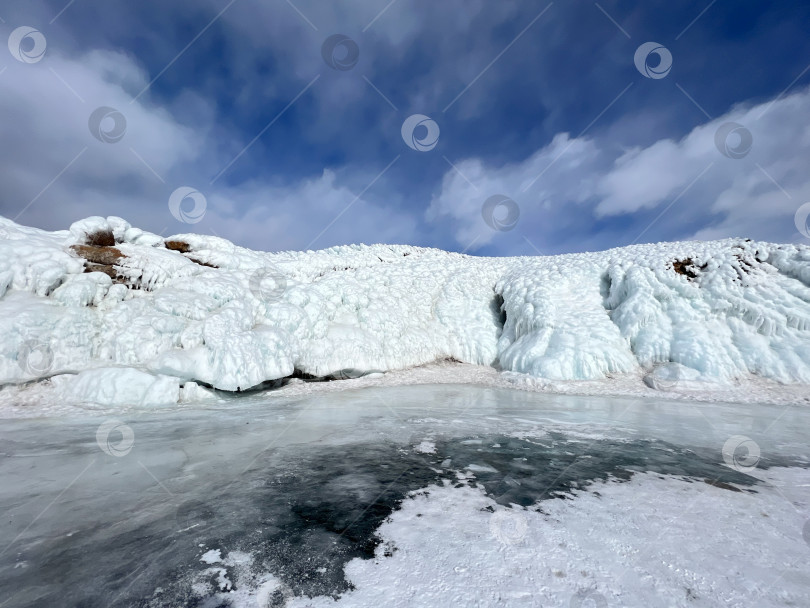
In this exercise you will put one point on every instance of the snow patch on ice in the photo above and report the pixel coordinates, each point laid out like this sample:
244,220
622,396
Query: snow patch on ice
211,557
426,447
618,543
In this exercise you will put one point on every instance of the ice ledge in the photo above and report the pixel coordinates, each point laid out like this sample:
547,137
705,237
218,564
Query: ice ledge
201,309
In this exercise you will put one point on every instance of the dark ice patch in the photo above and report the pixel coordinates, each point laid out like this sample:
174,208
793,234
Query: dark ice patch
528,471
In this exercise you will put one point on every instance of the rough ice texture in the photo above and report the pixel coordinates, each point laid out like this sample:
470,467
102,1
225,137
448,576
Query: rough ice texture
223,316
113,386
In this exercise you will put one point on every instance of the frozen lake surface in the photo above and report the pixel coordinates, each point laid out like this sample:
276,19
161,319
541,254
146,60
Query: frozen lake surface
409,496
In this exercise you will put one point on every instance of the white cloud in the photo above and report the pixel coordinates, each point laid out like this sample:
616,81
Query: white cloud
756,195
566,191
51,164
54,170
46,112
564,167
303,215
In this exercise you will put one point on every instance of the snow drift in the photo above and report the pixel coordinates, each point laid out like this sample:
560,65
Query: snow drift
106,295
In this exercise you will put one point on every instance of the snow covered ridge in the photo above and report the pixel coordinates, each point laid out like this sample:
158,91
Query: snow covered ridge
194,310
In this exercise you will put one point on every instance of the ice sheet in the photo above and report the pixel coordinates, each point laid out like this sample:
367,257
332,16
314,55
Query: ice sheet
404,493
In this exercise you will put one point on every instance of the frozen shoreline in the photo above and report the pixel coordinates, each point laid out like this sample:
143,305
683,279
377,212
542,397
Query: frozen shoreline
110,316
40,400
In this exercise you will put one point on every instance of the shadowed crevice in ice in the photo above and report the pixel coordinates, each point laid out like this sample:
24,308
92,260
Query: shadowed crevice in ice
302,514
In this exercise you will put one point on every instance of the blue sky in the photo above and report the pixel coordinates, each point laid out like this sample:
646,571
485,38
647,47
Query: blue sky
535,101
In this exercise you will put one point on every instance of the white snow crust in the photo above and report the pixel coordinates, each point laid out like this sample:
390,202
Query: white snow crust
616,544
228,318
612,544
